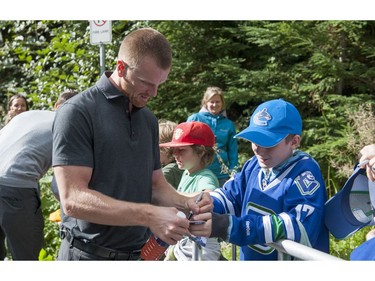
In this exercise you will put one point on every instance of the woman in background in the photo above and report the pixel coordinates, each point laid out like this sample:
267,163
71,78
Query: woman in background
213,114
16,105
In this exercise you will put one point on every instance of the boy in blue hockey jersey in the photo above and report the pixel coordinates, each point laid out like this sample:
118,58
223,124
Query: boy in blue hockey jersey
279,193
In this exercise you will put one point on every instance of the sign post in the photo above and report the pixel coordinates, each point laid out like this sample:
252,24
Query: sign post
100,34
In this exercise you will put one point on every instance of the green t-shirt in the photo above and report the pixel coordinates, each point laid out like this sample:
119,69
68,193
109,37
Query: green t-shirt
195,182
172,174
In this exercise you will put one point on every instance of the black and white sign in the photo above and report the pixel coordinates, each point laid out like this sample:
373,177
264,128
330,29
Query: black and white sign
100,32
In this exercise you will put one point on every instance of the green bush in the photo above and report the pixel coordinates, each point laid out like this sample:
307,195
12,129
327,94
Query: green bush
343,248
51,229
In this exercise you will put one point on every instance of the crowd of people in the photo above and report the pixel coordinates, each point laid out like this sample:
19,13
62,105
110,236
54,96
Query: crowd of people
120,175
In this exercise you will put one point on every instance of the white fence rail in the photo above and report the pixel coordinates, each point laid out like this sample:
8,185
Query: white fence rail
297,250
301,252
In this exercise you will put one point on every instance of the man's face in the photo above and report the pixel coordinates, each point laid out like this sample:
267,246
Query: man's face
142,82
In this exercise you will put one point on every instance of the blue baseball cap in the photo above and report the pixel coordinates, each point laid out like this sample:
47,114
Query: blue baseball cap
271,122
352,207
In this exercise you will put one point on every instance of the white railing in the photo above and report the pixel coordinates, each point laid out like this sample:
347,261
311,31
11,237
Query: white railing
300,251
296,250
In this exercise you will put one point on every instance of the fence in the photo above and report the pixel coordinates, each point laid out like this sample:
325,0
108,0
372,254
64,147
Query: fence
300,251
285,249
288,247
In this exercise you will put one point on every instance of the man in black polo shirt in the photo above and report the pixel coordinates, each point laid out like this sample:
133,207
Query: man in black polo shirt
107,164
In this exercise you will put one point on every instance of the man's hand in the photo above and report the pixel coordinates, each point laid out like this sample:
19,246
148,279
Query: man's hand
204,229
200,204
201,211
166,224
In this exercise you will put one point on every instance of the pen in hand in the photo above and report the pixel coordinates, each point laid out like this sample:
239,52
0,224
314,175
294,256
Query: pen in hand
199,198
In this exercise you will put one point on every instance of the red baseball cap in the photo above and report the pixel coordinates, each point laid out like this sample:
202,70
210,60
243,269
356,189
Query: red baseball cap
190,133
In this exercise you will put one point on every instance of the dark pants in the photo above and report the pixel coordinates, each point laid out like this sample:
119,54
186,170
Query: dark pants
69,252
21,223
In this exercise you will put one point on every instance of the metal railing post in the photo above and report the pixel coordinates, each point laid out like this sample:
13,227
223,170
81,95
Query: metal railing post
234,252
196,256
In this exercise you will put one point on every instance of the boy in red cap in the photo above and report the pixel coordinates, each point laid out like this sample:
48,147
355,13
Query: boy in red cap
192,146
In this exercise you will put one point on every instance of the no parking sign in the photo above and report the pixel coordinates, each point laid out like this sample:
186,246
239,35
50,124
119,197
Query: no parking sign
100,32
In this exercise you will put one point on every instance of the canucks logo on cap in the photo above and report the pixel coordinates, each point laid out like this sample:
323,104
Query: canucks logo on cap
262,118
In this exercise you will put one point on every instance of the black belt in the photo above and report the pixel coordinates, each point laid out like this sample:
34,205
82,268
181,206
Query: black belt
102,251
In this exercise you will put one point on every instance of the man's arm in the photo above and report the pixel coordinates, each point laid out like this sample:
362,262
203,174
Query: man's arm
81,202
163,194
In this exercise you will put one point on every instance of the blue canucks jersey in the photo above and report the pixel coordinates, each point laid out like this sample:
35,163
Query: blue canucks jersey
290,206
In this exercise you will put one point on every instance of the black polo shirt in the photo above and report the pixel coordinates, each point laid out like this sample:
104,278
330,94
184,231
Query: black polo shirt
94,129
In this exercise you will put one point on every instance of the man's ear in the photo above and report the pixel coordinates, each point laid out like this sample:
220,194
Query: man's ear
121,68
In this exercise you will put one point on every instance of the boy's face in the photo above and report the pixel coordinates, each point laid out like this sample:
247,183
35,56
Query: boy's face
187,159
273,156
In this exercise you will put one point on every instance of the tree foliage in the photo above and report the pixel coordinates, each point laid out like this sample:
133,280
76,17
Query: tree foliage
325,68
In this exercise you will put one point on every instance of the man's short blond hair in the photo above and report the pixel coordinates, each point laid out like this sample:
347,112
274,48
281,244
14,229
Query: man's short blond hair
146,42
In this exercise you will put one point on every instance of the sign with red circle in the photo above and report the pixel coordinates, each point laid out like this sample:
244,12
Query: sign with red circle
100,32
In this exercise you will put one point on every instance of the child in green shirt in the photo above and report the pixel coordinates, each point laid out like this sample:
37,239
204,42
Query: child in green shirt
192,145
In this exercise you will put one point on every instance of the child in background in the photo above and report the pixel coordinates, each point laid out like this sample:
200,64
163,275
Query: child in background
192,145
279,193
170,168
